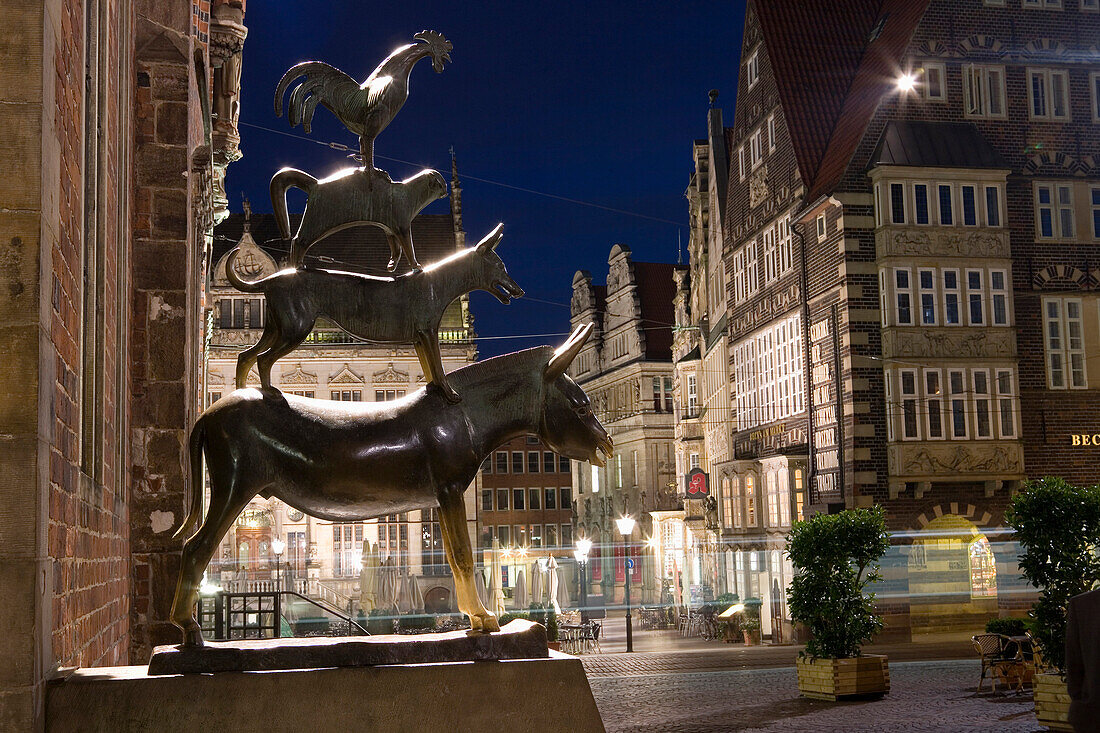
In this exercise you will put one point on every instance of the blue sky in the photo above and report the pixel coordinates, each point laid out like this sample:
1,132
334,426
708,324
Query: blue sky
597,102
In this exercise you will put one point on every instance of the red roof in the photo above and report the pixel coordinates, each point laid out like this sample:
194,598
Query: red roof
831,73
656,288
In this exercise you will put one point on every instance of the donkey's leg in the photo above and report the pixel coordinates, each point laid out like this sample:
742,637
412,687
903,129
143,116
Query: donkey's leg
247,358
427,350
456,544
395,252
226,502
405,241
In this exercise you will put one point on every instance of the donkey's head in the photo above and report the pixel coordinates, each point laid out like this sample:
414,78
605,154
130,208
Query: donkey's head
567,424
492,275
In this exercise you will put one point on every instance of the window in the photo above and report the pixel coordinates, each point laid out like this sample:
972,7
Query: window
946,215
1094,193
883,298
1094,88
487,465
566,497
927,282
772,489
984,91
890,409
904,297
957,383
993,206
771,133
799,496
349,395
518,502
975,295
386,395
969,206
1065,344
503,534
693,461
750,500
741,162
756,148
951,297
897,203
726,503
566,536
909,429
752,69
668,394
517,461
534,499
933,397
563,464
1048,4
551,499
1054,210
820,227
486,500
769,255
1093,5
549,464
935,90
502,462
533,461
767,374
213,397
302,392
920,203
502,500
999,297
693,395
1048,93
983,425
1006,408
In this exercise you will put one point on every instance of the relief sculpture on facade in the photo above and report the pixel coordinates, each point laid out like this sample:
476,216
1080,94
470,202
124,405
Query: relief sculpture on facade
899,241
949,343
955,459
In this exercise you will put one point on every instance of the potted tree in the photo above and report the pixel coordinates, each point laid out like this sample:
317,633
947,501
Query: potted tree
1058,526
835,558
750,621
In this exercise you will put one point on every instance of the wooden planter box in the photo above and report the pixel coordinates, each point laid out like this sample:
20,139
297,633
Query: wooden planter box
837,679
1052,702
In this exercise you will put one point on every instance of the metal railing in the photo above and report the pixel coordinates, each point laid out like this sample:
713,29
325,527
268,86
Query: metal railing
257,615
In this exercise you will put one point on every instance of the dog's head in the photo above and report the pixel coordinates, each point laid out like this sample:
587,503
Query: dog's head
495,278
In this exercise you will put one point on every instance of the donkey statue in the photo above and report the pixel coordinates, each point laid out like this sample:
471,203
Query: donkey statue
402,309
350,461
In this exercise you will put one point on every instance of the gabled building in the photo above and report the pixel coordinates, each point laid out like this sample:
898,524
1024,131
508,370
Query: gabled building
626,369
911,226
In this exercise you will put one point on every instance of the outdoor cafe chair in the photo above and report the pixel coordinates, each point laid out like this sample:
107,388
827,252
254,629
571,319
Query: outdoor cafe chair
997,659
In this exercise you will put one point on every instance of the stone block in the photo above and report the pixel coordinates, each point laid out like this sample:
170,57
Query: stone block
19,261
172,123
161,166
159,265
21,38
17,709
169,82
170,213
19,379
17,623
18,499
21,156
482,697
164,405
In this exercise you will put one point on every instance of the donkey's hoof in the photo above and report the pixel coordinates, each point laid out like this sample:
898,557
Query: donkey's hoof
485,623
453,397
391,265
192,637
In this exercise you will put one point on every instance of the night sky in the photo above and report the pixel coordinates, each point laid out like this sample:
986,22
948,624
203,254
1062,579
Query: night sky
597,102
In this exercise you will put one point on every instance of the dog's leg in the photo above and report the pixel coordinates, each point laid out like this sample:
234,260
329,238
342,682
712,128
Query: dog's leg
431,360
395,252
460,556
287,340
405,242
248,357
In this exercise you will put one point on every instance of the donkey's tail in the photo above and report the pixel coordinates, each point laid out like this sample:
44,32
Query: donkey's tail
245,286
280,182
198,438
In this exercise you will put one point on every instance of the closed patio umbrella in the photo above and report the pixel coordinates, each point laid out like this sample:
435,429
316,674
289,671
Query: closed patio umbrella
496,591
536,583
479,584
519,592
368,581
564,601
403,601
552,594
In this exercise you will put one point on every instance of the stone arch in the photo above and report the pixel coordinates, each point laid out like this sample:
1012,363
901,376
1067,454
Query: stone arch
935,48
1063,162
982,43
1044,48
437,599
1048,276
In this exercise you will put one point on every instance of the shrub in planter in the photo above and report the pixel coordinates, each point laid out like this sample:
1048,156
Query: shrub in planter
511,616
1058,526
1006,626
835,558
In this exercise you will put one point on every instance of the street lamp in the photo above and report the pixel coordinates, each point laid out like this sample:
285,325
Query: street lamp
584,546
277,546
626,528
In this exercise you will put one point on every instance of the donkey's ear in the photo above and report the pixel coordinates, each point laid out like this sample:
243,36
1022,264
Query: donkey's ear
567,352
492,239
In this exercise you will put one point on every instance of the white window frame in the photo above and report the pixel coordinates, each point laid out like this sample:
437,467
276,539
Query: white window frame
771,132
955,291
980,293
1094,88
928,188
999,295
983,91
909,400
900,291
1057,207
756,148
974,189
933,398
752,69
930,293
1090,6
1048,79
951,202
1094,209
897,217
1004,385
891,410
784,244
741,161
926,89
980,397
1066,347
986,188
883,297
1042,4
770,263
957,400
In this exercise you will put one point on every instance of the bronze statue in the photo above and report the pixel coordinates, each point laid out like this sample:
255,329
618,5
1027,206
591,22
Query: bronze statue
349,461
352,197
365,109
402,309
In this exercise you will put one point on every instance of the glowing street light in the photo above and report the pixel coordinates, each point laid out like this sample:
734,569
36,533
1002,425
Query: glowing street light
277,546
584,546
906,83
626,528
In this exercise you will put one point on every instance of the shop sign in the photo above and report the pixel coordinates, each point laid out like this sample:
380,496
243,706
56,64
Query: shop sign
698,484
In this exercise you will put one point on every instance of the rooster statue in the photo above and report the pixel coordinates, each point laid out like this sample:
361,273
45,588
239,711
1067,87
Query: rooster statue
365,109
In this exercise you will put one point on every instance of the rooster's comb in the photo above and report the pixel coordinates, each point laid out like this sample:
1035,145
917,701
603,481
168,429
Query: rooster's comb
434,39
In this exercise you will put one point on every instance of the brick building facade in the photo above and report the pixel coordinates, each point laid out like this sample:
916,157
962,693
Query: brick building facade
927,245
106,212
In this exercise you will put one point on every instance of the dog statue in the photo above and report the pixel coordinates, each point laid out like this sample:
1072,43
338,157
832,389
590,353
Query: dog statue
350,461
353,197
402,309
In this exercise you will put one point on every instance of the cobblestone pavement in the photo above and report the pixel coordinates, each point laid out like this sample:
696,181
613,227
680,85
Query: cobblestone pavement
930,696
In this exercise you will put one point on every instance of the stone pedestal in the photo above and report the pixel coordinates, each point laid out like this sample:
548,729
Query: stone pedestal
482,697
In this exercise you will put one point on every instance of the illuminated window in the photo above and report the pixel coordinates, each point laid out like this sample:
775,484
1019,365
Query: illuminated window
983,569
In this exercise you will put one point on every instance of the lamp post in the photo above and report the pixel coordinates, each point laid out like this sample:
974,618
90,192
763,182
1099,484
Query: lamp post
277,546
584,546
626,528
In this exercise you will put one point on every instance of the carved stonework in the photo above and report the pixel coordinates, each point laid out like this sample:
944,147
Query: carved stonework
972,460
346,376
215,378
299,377
758,187
766,309
921,241
948,343
390,375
